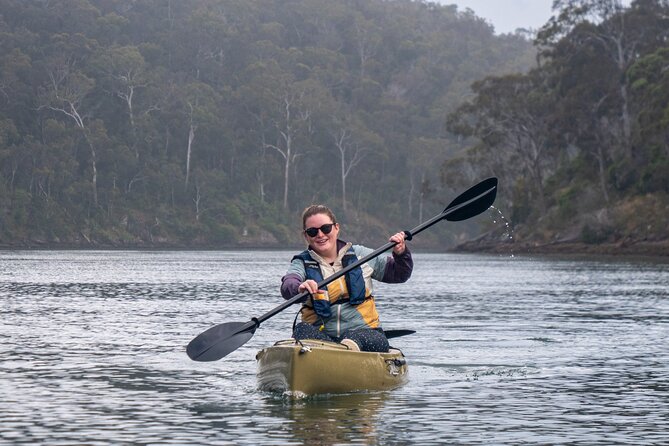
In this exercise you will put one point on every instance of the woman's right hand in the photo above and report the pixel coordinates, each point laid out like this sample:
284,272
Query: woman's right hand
310,286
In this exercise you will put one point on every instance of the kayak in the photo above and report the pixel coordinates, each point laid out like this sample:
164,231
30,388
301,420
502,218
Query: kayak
310,367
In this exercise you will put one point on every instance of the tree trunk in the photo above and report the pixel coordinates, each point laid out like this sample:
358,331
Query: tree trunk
343,183
189,151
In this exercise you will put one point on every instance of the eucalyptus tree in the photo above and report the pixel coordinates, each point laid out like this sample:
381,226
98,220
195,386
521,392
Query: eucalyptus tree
10,152
586,113
353,143
650,82
427,154
16,115
294,106
283,107
200,109
66,92
650,85
124,73
367,36
512,116
618,32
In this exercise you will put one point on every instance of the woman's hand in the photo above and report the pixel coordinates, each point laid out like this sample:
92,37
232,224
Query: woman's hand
310,286
400,246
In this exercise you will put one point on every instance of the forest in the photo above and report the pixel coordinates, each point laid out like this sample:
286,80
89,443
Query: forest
582,139
213,123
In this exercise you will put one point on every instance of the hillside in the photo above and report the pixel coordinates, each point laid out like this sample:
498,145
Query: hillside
212,123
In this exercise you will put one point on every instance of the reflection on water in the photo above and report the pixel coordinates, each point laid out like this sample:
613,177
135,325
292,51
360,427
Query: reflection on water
331,419
507,351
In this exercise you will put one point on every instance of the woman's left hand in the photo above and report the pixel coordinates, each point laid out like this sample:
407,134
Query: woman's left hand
399,240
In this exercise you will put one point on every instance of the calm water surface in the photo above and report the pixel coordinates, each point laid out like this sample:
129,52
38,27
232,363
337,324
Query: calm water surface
509,350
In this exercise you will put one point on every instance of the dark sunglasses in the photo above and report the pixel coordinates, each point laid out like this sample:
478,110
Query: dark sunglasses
325,229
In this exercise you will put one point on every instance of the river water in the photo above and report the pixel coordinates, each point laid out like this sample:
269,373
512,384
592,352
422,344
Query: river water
508,350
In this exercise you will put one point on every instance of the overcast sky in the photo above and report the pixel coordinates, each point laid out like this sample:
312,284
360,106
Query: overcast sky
507,15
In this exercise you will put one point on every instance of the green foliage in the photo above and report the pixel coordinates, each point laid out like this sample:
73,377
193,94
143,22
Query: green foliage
596,234
233,214
224,234
567,200
654,176
522,208
282,233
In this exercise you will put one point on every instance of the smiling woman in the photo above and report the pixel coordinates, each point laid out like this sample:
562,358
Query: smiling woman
344,311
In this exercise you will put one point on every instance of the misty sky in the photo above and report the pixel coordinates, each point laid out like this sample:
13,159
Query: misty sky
507,15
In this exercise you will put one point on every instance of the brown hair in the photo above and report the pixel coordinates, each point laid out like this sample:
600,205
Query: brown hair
317,209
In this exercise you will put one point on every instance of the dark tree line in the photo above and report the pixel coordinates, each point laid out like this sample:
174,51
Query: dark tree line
212,121
583,139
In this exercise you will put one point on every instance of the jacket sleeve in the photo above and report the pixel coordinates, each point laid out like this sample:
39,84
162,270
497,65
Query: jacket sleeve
289,285
292,279
398,267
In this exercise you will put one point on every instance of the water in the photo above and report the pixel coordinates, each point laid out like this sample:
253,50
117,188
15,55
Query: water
508,351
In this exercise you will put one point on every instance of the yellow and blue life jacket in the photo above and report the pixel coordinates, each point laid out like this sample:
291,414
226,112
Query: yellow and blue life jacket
355,282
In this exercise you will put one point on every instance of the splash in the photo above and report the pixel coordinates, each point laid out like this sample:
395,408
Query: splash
507,237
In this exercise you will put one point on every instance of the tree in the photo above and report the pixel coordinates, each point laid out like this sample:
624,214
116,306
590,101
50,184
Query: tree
200,101
650,82
618,33
67,90
650,85
353,143
427,154
511,115
283,110
125,71
292,121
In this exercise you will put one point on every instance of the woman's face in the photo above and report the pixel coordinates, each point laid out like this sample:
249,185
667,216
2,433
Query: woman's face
325,245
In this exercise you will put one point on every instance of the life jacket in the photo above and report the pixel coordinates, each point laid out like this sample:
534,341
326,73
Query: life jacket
355,282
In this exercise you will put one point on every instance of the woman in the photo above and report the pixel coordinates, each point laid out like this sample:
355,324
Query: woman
345,311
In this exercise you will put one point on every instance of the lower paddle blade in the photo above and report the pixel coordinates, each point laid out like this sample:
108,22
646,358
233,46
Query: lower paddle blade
473,201
397,333
220,340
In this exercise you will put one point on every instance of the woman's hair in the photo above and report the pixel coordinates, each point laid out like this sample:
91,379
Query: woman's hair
317,209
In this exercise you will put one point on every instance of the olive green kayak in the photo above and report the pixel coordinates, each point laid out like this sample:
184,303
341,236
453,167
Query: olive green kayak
310,367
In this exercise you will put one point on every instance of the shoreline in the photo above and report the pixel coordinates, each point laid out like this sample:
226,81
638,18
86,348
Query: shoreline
618,249
623,248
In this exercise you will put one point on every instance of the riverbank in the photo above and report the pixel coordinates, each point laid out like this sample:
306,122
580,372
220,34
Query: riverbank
620,248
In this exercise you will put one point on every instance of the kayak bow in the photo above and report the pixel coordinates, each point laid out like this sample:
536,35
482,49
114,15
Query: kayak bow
310,367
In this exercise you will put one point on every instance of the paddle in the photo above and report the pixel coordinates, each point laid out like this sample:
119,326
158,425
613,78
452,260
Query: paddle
220,340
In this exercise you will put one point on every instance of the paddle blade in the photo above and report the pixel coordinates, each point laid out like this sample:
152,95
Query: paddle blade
397,333
220,340
473,201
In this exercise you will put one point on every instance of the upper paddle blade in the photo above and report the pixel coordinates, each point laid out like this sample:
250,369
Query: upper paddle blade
473,201
220,340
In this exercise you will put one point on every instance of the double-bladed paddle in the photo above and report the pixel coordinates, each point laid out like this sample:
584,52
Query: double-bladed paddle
220,340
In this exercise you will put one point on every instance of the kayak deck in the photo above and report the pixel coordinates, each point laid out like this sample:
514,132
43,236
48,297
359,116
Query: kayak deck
312,367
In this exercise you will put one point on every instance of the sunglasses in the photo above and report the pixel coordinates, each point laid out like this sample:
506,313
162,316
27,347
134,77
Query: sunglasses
325,229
